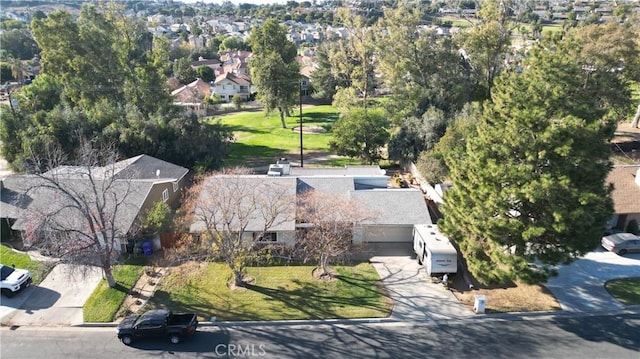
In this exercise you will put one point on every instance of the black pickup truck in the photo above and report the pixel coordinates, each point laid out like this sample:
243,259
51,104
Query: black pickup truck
157,323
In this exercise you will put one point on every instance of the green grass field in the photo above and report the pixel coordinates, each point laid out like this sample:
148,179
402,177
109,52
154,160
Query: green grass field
278,293
260,139
104,302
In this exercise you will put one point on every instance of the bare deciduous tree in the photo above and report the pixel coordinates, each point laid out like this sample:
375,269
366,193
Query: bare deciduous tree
80,213
326,226
232,211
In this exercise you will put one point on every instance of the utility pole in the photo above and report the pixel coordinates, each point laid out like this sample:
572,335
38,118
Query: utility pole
300,102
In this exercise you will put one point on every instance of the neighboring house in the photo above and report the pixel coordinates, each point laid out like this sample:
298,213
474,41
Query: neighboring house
228,85
396,210
211,63
626,195
191,96
140,182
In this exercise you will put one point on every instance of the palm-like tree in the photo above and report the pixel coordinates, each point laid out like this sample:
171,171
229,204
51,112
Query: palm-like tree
18,70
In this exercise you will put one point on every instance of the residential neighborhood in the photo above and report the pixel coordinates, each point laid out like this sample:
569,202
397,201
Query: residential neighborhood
396,178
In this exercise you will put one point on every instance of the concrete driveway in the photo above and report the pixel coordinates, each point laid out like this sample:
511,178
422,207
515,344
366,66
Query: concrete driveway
415,298
58,300
579,286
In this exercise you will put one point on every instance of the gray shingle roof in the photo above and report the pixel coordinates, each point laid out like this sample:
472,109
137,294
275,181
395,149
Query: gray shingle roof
332,185
41,199
394,205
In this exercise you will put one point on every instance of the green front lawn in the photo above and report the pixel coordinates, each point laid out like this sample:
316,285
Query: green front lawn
625,290
104,302
38,270
278,293
260,139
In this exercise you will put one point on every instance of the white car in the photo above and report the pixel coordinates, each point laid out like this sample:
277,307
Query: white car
621,243
13,280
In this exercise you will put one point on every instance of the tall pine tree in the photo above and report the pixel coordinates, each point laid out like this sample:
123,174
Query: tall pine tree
531,183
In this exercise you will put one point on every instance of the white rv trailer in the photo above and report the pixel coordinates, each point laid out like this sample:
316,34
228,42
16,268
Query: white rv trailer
434,250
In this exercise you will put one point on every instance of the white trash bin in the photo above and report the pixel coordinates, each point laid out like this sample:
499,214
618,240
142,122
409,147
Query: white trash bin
479,303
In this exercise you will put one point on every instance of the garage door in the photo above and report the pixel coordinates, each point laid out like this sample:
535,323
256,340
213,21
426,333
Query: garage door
387,234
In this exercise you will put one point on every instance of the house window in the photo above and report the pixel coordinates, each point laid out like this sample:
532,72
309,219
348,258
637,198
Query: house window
175,186
165,195
265,237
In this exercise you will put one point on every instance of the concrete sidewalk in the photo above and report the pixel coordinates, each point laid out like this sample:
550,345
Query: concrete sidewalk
415,298
58,300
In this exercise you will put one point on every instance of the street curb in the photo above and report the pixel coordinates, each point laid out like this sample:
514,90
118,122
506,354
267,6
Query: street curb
633,309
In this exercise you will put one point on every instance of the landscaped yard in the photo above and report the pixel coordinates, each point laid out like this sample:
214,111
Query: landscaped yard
260,139
278,293
624,290
38,270
104,302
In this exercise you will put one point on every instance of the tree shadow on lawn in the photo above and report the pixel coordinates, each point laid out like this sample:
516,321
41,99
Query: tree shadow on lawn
202,306
316,303
320,117
241,128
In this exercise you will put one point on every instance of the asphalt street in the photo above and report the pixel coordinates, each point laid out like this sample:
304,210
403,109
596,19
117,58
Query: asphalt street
574,336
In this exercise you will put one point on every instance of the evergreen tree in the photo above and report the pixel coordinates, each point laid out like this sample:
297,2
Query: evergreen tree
530,182
274,70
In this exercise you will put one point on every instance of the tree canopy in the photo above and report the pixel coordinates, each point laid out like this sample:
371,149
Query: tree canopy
361,133
529,185
274,69
103,79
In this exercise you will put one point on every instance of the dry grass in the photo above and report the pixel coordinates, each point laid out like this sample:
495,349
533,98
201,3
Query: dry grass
517,298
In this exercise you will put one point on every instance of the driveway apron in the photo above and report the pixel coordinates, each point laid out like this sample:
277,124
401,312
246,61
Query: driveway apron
59,298
415,298
579,286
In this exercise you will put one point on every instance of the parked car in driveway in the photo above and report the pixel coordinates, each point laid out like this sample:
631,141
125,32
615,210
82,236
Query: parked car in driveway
13,280
621,243
157,323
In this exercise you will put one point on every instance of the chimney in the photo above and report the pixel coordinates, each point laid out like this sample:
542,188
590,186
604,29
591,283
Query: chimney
286,166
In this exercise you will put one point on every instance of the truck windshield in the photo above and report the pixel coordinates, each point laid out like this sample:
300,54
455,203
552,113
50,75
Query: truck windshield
6,271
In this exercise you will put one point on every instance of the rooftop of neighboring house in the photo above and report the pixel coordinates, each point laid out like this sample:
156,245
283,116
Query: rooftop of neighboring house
626,188
240,80
129,181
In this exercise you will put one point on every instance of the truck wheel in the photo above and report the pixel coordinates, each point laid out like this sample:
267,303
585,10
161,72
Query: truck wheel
126,340
175,338
419,260
7,293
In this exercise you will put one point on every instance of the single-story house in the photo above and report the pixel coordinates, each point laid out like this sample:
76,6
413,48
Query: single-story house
134,185
396,210
626,196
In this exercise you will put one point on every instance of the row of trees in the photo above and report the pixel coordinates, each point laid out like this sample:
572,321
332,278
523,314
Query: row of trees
102,79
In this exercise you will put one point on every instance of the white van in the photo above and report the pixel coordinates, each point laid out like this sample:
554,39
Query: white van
434,250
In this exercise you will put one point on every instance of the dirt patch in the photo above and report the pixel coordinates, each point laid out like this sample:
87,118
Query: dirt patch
330,277
247,280
141,291
517,297
309,129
